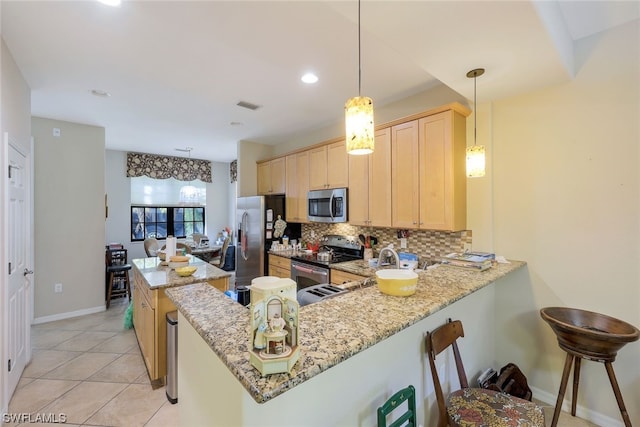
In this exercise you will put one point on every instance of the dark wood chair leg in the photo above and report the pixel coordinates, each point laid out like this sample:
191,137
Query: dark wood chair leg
616,390
563,388
576,380
110,287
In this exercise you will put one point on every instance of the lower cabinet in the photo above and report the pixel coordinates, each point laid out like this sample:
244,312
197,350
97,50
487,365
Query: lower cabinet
279,266
338,277
150,307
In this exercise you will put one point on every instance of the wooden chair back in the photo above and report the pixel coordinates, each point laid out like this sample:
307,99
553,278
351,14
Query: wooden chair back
151,246
408,417
223,251
436,342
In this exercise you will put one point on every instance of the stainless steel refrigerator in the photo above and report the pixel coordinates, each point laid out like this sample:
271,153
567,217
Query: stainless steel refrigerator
255,217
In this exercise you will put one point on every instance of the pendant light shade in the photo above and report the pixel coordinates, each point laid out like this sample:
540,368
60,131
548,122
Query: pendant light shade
475,153
358,115
359,124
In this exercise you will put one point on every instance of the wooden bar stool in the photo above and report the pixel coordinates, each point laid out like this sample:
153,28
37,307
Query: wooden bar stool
118,274
592,336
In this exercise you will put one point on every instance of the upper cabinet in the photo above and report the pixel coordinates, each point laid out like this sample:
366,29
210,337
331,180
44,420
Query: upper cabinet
328,166
297,186
370,184
271,177
428,172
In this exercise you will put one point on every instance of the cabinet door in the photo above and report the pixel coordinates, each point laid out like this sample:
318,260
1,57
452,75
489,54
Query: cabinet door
278,175
442,180
379,189
302,180
359,189
337,165
264,178
318,168
404,175
291,189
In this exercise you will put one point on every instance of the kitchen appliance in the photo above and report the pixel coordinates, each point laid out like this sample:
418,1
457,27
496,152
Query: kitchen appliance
314,269
256,217
327,205
317,293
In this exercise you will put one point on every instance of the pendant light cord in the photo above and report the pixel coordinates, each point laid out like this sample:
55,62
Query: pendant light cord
359,55
475,107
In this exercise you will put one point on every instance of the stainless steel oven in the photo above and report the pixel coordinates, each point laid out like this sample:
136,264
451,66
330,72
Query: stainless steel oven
327,205
306,275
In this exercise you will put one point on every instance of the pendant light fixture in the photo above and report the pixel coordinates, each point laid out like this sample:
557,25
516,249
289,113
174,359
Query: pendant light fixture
475,153
188,192
358,112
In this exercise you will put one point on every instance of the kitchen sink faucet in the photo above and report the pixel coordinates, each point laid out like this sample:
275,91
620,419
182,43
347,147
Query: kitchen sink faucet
394,253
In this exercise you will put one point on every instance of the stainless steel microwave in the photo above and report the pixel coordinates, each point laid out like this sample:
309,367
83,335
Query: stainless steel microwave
327,205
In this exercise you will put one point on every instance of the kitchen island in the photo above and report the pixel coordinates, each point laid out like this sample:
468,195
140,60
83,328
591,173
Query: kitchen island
357,349
151,276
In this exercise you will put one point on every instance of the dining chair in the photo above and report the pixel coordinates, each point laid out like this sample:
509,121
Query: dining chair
151,246
474,406
218,261
406,418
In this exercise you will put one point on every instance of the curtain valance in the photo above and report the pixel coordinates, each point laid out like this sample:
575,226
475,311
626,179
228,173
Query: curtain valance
163,167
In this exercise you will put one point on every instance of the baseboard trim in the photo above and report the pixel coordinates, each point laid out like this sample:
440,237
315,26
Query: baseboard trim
68,315
581,411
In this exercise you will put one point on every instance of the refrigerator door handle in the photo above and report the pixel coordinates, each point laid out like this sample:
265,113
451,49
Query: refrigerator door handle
243,239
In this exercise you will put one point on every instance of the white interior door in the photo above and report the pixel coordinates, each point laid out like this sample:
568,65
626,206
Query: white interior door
17,301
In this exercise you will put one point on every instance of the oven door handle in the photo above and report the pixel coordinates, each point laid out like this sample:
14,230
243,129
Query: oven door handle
309,270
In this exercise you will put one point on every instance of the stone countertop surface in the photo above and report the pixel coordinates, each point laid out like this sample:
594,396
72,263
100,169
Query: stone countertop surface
158,275
224,324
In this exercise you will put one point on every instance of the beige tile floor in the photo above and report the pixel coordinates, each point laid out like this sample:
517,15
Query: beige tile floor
90,369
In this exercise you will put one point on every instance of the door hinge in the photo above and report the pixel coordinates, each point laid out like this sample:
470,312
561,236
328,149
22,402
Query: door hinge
9,171
9,268
9,365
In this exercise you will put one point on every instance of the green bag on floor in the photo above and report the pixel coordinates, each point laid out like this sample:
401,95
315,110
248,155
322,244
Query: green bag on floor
128,316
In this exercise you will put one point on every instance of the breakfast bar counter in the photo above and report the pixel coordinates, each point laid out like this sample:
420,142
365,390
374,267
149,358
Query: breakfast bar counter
356,349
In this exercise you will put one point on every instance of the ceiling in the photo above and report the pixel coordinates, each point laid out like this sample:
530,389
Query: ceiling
175,71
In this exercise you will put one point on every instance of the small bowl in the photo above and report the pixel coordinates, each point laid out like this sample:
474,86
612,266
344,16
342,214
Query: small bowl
186,271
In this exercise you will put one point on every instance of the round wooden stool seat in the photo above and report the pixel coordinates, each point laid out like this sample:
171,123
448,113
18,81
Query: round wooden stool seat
588,335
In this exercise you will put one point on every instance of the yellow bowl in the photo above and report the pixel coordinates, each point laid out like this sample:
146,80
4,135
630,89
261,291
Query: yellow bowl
186,271
397,282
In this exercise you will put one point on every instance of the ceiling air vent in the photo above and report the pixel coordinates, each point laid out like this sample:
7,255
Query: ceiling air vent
248,105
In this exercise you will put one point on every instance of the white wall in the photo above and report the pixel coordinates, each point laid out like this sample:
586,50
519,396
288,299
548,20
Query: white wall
564,195
220,202
15,108
69,218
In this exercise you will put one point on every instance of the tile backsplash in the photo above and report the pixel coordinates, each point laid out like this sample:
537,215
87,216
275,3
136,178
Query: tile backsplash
427,244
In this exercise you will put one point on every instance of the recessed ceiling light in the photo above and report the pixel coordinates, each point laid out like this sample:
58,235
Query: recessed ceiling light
309,78
100,93
114,3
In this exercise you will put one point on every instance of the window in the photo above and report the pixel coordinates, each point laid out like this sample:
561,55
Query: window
163,221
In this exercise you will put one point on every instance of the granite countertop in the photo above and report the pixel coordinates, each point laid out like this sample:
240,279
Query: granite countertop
159,276
224,324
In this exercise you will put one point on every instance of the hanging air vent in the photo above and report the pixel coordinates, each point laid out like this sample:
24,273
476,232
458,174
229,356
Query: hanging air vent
248,105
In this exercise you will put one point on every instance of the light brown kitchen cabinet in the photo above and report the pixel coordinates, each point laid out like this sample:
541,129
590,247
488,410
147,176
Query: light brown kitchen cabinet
370,184
297,186
428,173
339,277
150,307
328,166
272,176
279,266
